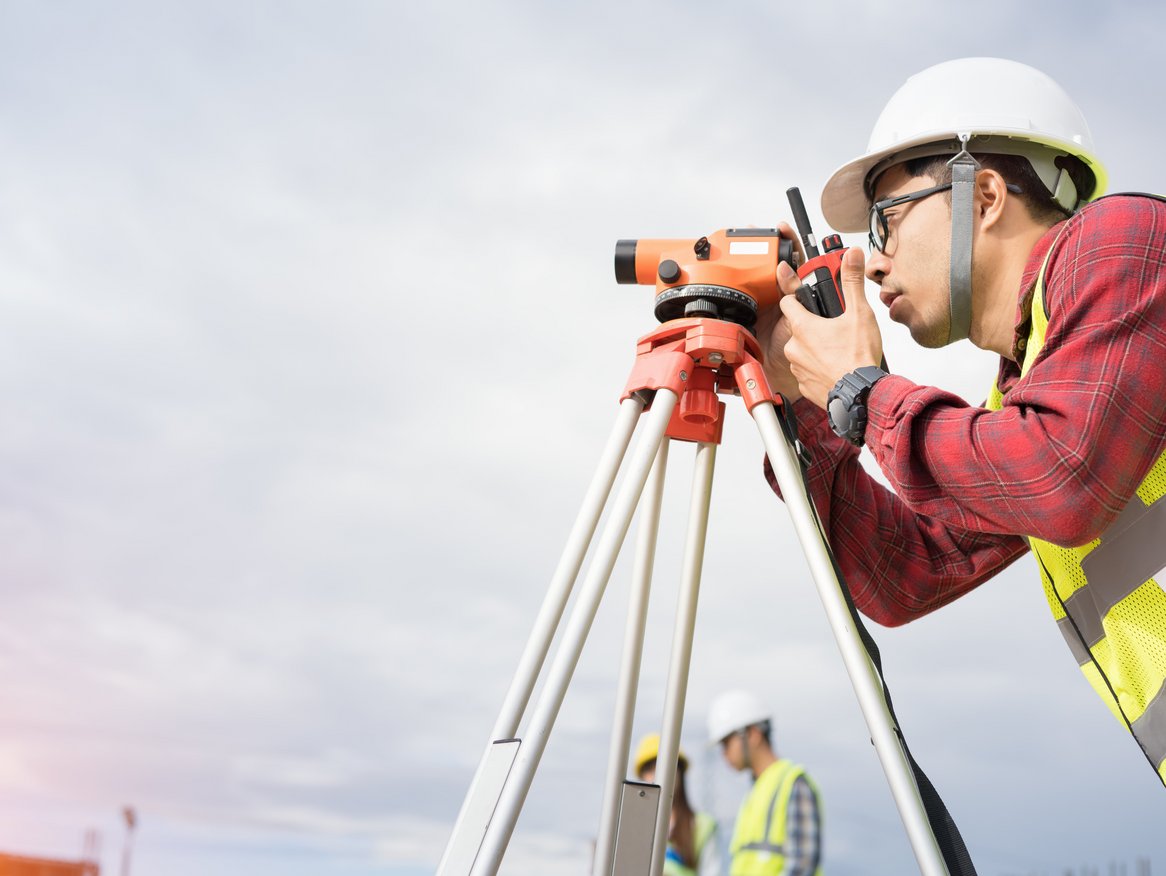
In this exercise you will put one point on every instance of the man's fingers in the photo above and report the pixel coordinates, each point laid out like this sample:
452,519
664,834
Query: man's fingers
854,278
792,310
787,279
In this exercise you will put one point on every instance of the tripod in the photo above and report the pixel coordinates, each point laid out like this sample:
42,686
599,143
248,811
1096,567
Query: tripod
679,370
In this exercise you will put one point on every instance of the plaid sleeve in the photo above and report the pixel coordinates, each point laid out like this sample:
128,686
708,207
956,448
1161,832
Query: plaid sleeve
803,831
1078,432
1059,461
897,564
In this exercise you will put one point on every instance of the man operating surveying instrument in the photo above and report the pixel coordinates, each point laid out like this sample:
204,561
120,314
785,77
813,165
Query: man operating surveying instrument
980,192
709,291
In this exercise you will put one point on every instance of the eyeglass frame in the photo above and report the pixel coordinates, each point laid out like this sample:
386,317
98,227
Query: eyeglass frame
877,208
879,241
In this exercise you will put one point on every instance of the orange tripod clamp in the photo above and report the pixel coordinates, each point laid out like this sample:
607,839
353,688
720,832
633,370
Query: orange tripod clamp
698,358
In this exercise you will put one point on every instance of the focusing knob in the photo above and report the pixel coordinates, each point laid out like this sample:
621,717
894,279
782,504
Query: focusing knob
702,307
669,271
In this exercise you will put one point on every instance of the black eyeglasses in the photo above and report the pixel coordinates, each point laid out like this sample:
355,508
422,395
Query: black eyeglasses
877,220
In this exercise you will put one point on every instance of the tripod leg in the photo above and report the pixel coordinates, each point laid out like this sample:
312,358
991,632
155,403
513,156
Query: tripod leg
478,806
518,782
862,672
559,591
702,488
629,678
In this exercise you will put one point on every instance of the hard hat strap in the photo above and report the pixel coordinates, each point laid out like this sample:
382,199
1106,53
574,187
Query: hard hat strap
963,203
1064,191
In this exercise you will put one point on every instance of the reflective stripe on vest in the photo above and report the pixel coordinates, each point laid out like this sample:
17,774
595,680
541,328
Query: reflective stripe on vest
1105,595
757,848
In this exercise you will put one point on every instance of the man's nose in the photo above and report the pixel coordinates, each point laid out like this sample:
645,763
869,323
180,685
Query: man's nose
877,267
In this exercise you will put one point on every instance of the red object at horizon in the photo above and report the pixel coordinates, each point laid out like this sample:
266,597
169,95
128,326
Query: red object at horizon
22,865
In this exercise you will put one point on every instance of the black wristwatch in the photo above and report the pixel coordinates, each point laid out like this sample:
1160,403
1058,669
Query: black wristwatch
846,404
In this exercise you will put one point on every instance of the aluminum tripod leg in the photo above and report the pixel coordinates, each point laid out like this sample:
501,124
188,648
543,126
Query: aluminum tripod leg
679,664
567,571
863,675
477,808
702,488
629,676
517,785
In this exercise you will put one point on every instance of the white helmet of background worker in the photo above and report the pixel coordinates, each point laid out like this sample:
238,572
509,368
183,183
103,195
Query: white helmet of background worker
970,105
735,710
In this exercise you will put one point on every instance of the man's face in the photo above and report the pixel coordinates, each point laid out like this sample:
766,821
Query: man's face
733,749
912,272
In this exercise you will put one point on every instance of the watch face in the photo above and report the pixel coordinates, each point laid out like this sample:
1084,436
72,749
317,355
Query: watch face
839,413
846,404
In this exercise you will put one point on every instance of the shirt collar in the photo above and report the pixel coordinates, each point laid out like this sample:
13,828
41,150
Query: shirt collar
1028,287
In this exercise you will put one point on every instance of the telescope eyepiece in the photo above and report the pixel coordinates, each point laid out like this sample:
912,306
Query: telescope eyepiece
625,262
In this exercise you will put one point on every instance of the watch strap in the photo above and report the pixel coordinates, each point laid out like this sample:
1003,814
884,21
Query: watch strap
846,403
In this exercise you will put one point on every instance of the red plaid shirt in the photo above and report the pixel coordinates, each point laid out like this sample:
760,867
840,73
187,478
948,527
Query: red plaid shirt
1075,436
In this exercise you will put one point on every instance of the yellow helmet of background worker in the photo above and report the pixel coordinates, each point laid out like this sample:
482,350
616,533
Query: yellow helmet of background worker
649,749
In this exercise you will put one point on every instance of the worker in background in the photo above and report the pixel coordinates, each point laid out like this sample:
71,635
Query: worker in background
692,847
978,191
779,829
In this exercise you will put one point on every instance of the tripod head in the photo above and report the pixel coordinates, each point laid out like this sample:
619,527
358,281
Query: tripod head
726,275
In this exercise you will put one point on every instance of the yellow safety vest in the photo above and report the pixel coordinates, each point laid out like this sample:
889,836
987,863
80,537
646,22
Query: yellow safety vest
1104,595
703,831
758,846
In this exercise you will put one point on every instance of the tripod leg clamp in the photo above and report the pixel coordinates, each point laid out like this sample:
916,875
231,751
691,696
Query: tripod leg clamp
660,369
788,421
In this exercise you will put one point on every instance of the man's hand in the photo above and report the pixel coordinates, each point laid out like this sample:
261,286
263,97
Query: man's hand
773,334
819,350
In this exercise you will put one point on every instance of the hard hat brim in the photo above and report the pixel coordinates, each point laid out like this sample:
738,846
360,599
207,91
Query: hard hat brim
846,197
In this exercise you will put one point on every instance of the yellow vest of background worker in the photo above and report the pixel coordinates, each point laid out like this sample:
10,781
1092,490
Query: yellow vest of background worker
758,846
1105,597
705,826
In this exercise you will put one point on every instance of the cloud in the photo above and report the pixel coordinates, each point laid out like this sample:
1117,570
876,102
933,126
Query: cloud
310,345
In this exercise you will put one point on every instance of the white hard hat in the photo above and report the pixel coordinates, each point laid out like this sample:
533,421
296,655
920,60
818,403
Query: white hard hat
1003,106
735,710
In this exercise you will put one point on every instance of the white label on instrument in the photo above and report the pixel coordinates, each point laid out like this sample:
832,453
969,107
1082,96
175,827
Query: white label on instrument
748,247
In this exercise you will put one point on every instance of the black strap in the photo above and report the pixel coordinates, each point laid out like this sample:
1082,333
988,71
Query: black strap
943,826
789,426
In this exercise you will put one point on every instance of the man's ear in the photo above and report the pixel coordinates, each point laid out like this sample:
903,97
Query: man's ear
991,194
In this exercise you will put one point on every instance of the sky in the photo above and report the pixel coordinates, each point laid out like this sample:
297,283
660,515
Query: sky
310,342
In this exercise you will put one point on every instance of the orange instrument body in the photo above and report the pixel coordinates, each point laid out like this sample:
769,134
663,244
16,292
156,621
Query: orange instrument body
729,274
